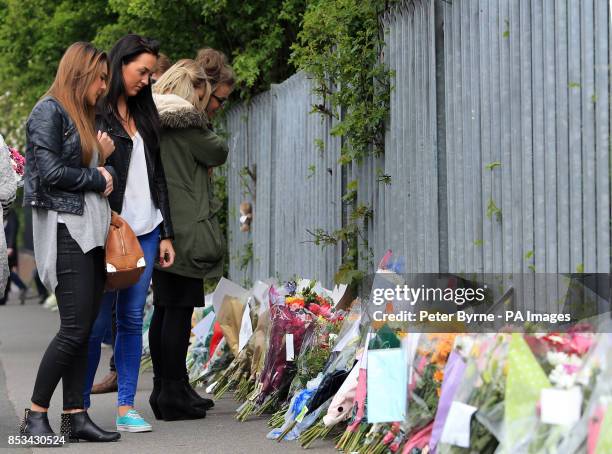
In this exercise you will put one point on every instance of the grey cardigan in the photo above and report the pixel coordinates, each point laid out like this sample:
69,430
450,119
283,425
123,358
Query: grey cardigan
8,188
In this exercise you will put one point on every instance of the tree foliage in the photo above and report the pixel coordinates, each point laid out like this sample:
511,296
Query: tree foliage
256,35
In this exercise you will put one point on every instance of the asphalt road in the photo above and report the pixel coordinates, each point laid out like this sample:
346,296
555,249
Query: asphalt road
25,332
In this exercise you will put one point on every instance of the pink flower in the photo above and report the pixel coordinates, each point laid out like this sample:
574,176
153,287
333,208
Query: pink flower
18,161
580,344
571,368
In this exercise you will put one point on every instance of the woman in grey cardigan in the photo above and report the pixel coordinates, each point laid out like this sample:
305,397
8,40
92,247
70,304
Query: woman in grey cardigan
8,188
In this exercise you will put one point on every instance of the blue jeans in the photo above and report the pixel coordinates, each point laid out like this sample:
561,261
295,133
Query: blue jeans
128,344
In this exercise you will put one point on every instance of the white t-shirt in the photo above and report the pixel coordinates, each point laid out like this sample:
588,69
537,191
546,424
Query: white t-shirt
138,208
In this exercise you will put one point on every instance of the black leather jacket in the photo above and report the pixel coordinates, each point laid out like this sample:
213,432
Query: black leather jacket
55,178
120,160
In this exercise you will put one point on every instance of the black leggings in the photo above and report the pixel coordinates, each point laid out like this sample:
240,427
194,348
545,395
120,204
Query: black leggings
173,325
80,285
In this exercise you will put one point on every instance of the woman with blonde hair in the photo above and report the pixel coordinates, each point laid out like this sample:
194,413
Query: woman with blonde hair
188,149
67,185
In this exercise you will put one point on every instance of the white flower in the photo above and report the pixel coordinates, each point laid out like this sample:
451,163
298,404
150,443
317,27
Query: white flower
557,358
560,378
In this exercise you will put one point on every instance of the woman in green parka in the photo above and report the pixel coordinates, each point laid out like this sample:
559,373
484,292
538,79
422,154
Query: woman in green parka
189,150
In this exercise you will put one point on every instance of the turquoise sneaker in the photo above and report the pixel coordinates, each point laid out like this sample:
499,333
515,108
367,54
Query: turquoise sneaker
133,422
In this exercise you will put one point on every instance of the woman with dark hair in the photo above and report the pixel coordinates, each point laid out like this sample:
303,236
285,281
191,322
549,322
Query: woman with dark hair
128,114
67,185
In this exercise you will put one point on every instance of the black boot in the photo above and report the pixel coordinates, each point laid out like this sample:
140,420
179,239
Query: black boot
197,400
175,403
157,384
35,423
79,426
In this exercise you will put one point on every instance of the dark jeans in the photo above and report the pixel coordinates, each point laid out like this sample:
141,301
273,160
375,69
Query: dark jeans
79,292
173,325
13,277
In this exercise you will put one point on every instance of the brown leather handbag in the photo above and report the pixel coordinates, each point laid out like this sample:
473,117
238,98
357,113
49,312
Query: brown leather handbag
125,260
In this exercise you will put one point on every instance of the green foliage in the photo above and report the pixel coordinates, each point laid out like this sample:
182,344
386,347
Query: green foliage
311,171
492,165
493,210
339,46
247,256
382,177
33,36
256,35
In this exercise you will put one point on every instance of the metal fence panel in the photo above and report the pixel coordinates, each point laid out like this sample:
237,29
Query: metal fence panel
520,180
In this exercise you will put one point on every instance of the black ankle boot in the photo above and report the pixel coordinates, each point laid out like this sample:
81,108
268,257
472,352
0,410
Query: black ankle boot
157,384
35,423
175,403
79,426
196,399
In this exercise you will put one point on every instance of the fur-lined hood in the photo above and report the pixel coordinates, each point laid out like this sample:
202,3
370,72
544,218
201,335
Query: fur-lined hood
176,112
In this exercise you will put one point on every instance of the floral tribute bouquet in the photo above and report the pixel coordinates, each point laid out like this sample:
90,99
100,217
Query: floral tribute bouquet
483,386
323,366
562,358
290,319
18,162
238,375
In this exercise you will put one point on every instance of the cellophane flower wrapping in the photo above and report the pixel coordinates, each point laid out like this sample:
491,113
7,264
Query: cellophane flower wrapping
483,386
330,329
198,352
597,401
220,359
277,372
427,377
563,358
238,374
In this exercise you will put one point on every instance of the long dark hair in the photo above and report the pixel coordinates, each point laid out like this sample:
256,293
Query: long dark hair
141,107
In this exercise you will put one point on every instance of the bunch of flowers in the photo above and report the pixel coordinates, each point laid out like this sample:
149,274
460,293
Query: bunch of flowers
483,386
18,161
562,357
277,372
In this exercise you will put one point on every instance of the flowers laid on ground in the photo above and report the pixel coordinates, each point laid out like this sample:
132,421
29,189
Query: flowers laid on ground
305,363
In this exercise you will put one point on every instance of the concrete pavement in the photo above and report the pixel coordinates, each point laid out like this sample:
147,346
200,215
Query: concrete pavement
25,331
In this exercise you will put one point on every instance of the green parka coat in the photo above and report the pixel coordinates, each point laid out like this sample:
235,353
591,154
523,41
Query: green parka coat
188,149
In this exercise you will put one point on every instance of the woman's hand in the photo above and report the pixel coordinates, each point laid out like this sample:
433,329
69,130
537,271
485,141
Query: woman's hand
107,146
109,181
166,253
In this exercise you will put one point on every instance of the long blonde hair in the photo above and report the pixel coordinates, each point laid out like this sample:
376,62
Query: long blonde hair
182,79
81,64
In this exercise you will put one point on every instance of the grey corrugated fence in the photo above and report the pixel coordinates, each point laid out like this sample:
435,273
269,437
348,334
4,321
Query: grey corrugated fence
498,148
296,185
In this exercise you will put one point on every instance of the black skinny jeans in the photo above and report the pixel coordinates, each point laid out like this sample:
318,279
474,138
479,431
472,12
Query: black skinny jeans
173,325
80,285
